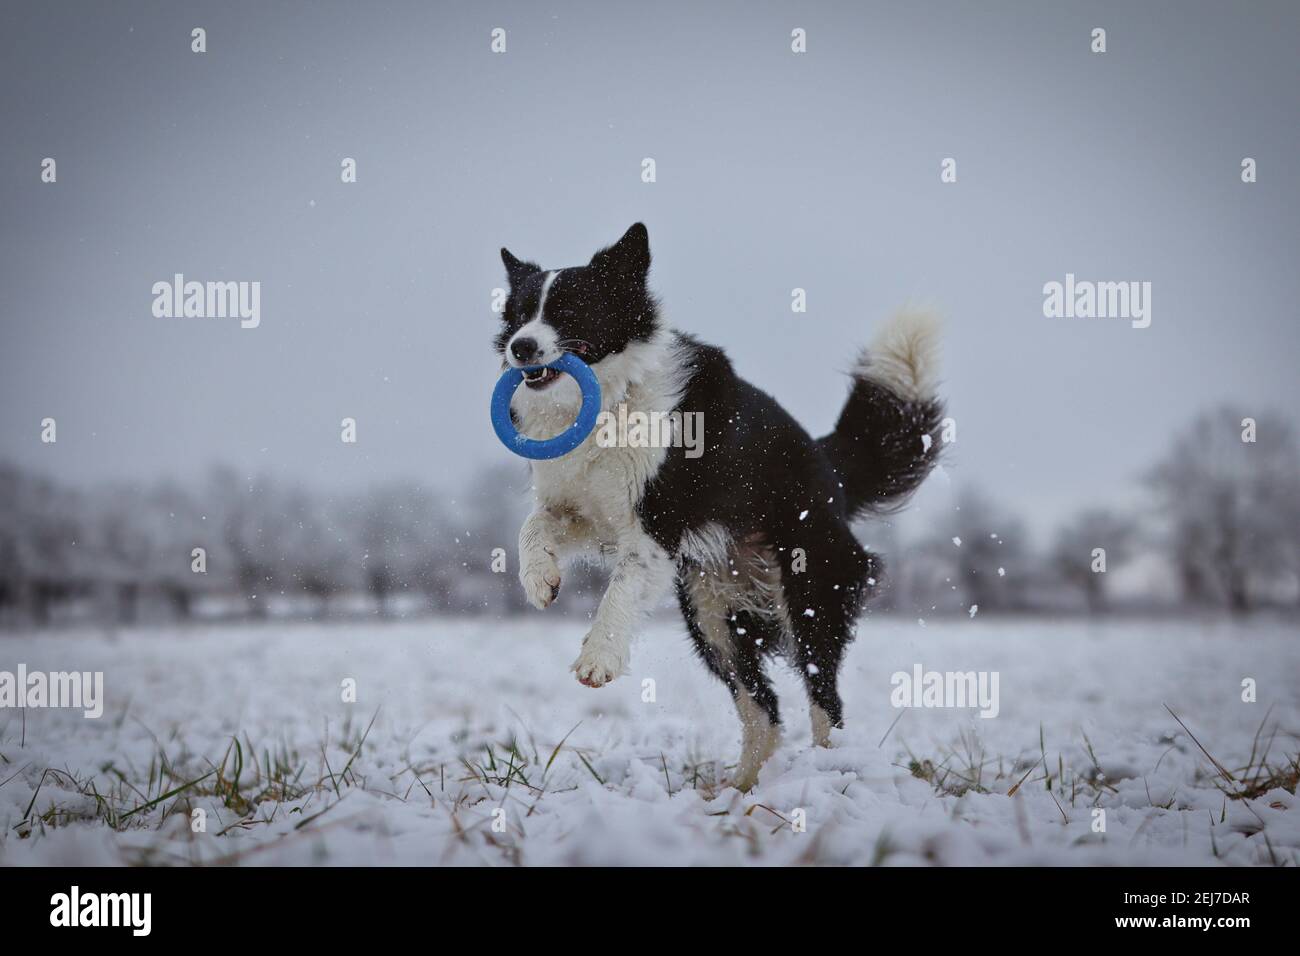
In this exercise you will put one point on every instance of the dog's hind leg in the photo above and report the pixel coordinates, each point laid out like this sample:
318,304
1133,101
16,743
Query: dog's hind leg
822,604
729,646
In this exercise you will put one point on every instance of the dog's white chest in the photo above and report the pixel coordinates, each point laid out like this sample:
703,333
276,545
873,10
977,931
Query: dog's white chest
604,478
602,484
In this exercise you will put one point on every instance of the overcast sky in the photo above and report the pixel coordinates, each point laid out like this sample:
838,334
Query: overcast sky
775,171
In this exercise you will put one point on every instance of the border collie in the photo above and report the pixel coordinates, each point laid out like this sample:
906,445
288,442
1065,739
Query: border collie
754,534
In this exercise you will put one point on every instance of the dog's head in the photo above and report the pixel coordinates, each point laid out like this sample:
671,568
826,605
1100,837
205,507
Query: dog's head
593,311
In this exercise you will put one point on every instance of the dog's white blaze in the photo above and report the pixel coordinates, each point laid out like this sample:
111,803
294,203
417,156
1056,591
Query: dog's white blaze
546,290
536,328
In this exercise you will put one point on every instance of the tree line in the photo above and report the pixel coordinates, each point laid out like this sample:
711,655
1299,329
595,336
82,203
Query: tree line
1217,527
1219,524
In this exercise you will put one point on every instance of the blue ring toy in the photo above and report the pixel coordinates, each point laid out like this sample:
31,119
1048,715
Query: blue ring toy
565,441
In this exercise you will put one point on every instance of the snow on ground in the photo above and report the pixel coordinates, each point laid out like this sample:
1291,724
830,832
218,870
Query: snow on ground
643,781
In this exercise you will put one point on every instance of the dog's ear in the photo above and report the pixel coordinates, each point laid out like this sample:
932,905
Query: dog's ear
517,271
628,259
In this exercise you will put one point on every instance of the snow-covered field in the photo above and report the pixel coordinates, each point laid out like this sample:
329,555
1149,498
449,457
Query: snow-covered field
470,715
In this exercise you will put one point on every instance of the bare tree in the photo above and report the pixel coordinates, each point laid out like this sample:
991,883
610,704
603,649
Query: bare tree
12,578
177,522
250,521
123,547
1074,555
395,526
979,552
315,555
48,557
1231,507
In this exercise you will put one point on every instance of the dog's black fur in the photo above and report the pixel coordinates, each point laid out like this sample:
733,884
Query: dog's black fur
762,477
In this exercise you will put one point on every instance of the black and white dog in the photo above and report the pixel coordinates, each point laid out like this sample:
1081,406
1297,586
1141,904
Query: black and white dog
753,534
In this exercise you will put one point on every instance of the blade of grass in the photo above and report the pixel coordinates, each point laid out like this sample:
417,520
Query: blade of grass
161,797
555,753
589,767
1217,766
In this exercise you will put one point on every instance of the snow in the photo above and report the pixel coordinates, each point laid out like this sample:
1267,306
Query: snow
658,746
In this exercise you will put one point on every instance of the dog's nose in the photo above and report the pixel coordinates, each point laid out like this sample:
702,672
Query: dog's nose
524,350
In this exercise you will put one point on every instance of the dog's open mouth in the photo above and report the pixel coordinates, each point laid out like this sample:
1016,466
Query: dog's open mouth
539,378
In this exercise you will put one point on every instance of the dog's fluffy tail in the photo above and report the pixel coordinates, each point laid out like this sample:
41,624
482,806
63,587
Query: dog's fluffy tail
887,437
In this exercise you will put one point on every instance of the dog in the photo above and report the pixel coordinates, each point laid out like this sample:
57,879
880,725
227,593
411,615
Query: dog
753,535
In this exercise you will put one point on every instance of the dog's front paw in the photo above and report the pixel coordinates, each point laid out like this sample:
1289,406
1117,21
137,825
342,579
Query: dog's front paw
602,659
541,581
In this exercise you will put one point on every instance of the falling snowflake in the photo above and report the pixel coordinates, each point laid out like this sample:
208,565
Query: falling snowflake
809,612
974,609
957,541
